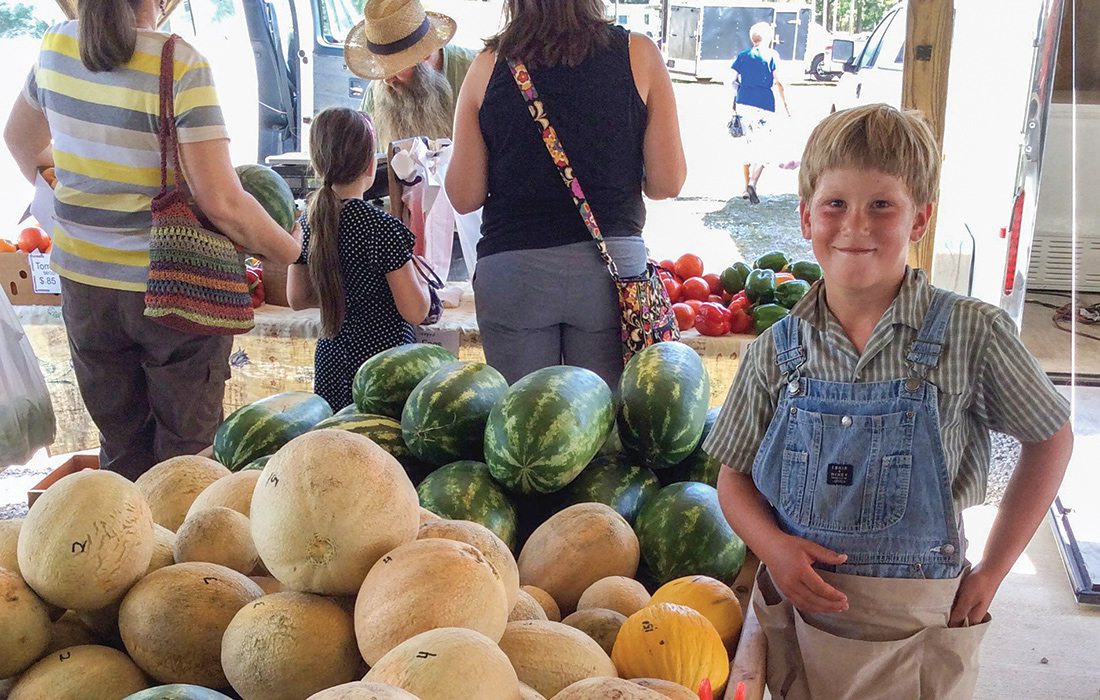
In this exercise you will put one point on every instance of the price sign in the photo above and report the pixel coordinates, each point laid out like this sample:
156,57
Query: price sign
44,280
447,338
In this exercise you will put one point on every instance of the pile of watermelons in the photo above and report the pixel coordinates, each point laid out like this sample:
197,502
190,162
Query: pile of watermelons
510,457
770,287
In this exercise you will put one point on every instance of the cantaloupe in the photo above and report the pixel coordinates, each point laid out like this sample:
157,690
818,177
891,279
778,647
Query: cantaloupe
173,620
233,491
424,585
70,631
544,599
448,663
327,506
287,646
549,656
87,540
575,548
526,608
668,689
526,692
485,540
218,536
362,690
600,624
164,540
172,486
268,584
427,516
619,593
9,544
607,689
24,625
87,672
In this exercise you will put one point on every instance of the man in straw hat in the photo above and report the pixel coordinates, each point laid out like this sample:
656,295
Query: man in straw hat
415,72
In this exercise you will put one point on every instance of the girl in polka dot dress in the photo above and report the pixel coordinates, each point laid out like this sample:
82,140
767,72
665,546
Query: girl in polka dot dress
356,263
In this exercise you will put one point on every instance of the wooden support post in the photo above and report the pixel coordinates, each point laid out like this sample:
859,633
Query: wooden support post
924,84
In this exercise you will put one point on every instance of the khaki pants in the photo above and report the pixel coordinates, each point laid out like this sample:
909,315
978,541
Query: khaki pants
153,392
892,643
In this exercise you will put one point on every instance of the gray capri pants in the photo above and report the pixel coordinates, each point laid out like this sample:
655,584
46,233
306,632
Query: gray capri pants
551,306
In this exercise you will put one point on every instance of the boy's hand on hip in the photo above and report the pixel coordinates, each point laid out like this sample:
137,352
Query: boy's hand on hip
790,564
975,593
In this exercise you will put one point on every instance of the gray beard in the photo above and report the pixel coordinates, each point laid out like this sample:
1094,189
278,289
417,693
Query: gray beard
423,107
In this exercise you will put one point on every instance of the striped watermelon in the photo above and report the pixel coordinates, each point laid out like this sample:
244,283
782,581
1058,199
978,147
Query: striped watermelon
177,691
464,490
384,431
258,464
616,482
547,428
262,427
663,394
384,382
444,419
682,531
271,191
699,466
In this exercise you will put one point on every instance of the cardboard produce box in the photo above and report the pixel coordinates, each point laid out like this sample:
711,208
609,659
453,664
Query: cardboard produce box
15,275
72,464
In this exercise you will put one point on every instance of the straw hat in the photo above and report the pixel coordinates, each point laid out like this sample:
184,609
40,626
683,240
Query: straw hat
394,35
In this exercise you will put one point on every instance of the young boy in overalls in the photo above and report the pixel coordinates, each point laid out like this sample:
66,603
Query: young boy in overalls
857,430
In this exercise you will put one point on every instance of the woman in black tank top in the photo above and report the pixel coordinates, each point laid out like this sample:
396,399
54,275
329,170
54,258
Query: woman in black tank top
609,97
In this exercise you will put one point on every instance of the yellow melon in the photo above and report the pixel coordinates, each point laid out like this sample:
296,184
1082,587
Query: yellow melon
286,646
713,599
485,540
87,540
600,624
673,643
448,663
233,491
607,689
328,505
70,631
24,625
668,689
575,548
549,656
217,536
9,544
526,692
362,690
526,608
619,593
86,672
544,599
427,584
172,486
173,620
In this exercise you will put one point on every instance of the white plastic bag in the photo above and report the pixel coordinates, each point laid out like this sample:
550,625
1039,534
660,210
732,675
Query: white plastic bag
26,413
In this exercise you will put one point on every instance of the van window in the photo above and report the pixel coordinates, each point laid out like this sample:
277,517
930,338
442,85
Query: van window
337,18
892,53
874,43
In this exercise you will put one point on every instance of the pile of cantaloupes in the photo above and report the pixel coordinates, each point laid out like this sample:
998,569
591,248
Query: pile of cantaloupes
321,577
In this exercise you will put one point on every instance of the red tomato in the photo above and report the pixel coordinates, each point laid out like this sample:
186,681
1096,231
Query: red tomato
715,283
694,304
674,289
712,319
668,266
696,288
689,265
7,246
716,298
740,320
726,297
739,301
685,316
33,238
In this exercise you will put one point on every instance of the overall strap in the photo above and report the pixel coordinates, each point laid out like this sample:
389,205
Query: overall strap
789,354
166,134
926,349
557,154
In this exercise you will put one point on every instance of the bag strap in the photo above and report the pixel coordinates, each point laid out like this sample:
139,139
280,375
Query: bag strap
557,154
426,272
166,134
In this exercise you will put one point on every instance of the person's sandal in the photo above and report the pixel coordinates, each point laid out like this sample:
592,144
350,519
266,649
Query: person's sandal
753,198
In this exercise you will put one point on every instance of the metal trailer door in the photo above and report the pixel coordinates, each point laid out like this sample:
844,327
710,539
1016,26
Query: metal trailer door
683,37
786,35
726,30
805,19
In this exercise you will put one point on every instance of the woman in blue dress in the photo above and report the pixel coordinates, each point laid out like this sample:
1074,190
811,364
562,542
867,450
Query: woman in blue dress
756,86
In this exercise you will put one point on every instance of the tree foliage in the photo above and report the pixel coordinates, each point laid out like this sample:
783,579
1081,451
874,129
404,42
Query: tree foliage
851,15
19,20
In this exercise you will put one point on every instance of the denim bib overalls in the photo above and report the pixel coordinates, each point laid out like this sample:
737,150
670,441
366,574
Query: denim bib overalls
859,468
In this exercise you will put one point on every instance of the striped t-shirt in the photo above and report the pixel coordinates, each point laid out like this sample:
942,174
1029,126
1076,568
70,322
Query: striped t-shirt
987,380
105,149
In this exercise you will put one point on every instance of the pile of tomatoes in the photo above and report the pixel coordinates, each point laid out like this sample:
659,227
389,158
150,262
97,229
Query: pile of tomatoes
700,301
30,239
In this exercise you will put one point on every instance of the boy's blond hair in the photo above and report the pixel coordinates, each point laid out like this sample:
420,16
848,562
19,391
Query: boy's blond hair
878,137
